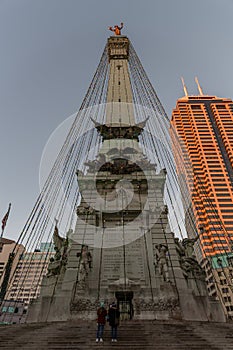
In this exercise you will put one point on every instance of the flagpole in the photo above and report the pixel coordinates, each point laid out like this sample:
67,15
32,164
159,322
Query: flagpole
4,220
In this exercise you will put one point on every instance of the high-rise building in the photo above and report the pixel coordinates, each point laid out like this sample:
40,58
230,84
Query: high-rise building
9,256
202,137
21,277
12,311
31,268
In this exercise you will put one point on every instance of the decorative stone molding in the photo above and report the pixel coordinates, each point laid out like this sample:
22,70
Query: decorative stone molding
118,47
170,304
83,304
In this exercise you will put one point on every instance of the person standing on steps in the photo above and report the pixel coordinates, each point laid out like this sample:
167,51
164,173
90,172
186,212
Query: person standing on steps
101,319
113,318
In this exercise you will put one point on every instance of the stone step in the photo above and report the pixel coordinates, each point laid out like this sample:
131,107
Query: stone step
137,335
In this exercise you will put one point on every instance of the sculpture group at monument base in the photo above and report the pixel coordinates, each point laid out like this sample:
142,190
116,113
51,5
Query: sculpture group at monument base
169,302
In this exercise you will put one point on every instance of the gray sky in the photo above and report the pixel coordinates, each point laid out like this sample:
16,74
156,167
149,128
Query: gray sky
50,50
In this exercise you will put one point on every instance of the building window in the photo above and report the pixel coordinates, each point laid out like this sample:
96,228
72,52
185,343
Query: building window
224,281
225,290
230,261
195,107
11,309
227,299
220,106
219,262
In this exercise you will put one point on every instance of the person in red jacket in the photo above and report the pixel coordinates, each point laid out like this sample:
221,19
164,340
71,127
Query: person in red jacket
101,320
116,29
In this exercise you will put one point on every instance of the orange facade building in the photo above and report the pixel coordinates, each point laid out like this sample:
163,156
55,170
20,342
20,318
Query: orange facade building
202,138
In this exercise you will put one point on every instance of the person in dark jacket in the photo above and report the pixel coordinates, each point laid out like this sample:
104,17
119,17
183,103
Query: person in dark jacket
113,318
101,319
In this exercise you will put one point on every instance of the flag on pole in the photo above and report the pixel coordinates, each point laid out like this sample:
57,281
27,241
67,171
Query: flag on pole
4,220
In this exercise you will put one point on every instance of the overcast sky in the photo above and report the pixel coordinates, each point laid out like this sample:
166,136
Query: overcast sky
50,50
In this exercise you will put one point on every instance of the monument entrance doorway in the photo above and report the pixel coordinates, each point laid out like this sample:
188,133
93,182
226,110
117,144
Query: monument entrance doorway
124,303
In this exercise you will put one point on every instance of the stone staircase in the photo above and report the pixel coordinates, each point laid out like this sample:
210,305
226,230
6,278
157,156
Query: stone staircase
137,335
